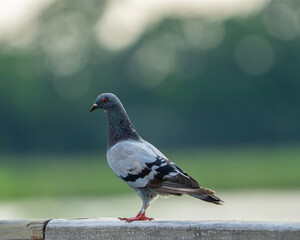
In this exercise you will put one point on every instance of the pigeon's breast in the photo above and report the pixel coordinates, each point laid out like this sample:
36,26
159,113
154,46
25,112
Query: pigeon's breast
128,160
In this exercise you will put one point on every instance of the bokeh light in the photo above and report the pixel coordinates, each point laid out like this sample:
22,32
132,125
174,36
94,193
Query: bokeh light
202,34
64,44
282,20
152,63
254,55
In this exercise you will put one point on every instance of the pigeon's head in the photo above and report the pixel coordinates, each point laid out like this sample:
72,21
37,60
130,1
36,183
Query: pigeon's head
106,101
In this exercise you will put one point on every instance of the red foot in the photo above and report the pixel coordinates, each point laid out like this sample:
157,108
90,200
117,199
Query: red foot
139,217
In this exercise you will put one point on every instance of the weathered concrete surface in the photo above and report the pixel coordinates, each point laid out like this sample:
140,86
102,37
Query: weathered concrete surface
22,229
90,229
107,228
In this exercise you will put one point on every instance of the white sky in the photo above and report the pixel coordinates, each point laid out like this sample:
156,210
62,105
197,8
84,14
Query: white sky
123,21
17,16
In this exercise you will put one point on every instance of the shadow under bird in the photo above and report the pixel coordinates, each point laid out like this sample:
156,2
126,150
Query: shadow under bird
141,165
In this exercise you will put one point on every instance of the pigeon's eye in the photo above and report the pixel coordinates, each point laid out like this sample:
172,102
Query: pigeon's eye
104,100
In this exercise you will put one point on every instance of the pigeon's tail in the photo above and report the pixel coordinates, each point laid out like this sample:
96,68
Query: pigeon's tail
207,195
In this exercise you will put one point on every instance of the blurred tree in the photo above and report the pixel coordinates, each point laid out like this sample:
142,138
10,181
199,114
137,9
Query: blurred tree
185,82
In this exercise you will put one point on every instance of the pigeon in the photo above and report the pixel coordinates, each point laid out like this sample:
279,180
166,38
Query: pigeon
141,165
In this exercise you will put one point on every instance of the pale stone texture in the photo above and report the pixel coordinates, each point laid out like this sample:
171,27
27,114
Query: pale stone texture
92,229
22,229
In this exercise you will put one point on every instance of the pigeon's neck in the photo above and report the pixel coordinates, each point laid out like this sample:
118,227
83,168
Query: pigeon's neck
120,127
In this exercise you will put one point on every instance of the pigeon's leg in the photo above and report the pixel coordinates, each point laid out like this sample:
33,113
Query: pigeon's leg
132,218
146,196
141,216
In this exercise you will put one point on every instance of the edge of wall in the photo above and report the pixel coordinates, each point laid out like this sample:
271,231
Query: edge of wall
108,228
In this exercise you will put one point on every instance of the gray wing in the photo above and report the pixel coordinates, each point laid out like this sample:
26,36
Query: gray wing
169,176
140,164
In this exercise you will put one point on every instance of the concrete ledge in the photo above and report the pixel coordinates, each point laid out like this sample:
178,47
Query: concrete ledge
104,228
90,229
22,229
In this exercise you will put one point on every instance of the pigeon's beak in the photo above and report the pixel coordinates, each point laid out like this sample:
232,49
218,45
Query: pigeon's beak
94,107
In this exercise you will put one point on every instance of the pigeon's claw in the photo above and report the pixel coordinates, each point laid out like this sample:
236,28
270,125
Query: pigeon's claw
139,217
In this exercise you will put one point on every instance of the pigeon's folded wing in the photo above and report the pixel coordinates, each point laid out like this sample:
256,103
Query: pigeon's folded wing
134,162
176,182
142,165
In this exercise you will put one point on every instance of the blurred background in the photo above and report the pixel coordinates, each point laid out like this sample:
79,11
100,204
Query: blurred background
214,84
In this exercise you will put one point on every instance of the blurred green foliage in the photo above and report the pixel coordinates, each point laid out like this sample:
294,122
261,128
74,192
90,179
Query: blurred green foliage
81,175
233,82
